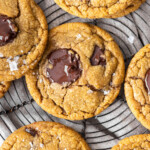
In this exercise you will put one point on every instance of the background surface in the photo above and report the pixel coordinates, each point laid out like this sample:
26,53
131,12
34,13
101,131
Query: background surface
117,122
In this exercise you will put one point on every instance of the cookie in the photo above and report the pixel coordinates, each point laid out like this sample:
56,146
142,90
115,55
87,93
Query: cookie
4,86
45,135
80,73
99,8
23,37
137,86
136,142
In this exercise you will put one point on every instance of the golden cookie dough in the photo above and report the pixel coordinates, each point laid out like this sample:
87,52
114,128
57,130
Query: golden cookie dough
136,142
23,37
99,8
44,136
87,87
136,86
4,86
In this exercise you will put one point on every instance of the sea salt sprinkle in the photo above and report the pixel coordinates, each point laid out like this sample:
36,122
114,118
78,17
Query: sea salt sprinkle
41,80
41,145
13,64
106,92
78,36
89,91
1,55
131,39
24,61
31,145
66,70
33,73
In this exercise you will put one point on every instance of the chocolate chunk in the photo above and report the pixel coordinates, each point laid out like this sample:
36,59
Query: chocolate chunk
32,131
98,57
8,30
147,81
65,66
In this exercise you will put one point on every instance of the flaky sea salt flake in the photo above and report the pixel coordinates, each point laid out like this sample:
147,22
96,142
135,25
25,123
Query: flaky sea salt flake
1,55
13,65
106,92
131,39
78,36
24,61
89,91
41,145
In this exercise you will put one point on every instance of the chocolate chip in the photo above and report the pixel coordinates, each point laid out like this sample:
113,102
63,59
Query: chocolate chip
98,57
147,81
8,30
32,131
65,66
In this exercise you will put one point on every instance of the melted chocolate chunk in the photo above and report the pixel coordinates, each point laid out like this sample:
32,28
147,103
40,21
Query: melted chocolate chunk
98,57
32,131
147,81
8,30
65,66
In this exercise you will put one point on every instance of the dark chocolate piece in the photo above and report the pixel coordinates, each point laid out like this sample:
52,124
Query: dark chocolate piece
8,30
147,81
31,131
65,66
98,57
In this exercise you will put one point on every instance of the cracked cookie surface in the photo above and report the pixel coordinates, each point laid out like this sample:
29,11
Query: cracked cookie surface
4,86
137,86
83,80
23,37
45,136
99,8
136,142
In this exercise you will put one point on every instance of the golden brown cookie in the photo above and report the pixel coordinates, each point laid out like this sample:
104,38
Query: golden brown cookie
45,136
80,74
4,86
23,37
99,8
137,86
136,142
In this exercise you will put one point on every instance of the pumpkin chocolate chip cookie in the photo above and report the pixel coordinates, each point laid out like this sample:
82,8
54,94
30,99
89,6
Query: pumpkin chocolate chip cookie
23,37
99,8
136,142
46,136
4,86
80,73
137,86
